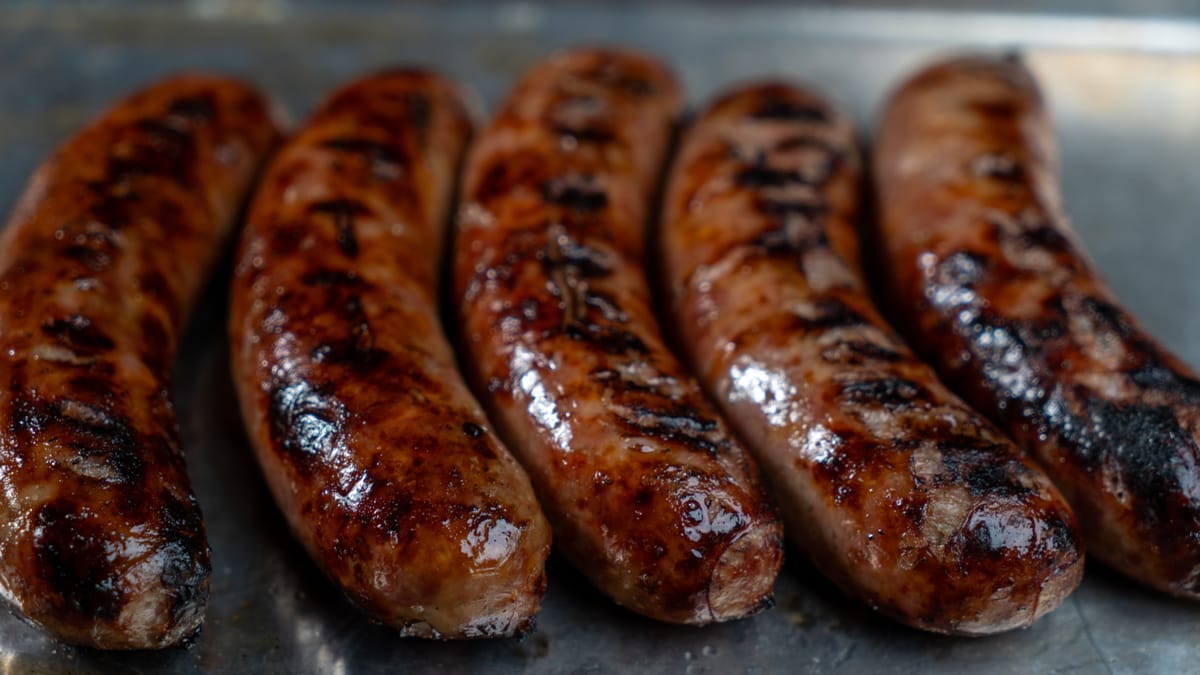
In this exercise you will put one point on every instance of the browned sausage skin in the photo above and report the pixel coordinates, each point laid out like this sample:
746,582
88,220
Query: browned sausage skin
101,539
648,493
898,491
370,440
989,280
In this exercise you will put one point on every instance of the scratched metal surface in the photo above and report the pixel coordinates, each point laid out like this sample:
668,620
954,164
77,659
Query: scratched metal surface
1126,95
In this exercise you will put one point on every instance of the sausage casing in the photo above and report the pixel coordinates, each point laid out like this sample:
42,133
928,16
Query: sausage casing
896,489
647,491
989,280
379,457
101,539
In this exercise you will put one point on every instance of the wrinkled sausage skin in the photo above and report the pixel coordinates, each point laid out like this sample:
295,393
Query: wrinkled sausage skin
383,463
648,493
991,283
101,538
899,492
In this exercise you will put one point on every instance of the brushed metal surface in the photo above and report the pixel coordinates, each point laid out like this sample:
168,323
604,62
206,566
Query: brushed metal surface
1126,96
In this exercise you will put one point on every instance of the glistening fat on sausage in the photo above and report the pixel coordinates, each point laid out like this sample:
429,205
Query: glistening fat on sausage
382,462
990,282
897,491
648,493
101,539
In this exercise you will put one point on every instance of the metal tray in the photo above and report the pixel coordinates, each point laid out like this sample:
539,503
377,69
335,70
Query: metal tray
1126,96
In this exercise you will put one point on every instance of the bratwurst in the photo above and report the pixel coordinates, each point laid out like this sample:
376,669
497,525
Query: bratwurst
101,539
383,463
648,493
990,282
896,489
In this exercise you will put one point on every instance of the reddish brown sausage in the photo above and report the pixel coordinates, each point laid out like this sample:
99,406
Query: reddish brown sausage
991,283
101,539
648,493
897,490
373,446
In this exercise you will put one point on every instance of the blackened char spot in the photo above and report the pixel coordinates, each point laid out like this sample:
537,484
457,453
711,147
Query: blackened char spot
185,554
343,212
1147,444
92,258
893,392
306,421
78,333
472,430
74,563
1154,375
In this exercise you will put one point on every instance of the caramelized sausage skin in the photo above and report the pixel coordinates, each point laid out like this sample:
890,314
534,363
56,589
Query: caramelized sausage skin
897,490
648,493
379,457
991,283
101,539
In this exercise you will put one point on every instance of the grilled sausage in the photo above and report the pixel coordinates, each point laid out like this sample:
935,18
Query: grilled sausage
374,448
101,539
648,493
992,284
898,492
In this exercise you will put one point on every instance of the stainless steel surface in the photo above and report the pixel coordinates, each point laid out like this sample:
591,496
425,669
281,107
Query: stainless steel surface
1125,93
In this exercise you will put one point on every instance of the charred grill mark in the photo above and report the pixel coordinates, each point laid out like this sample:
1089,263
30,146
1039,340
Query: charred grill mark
157,149
186,564
156,347
775,107
198,108
577,195
672,425
569,266
327,277
795,233
384,161
859,352
343,212
79,334
760,174
591,134
472,430
94,431
807,210
607,339
830,313
71,559
358,350
891,392
92,258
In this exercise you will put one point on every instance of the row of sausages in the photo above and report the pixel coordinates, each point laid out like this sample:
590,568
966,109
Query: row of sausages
667,480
